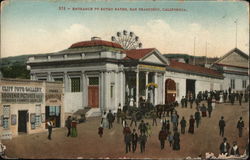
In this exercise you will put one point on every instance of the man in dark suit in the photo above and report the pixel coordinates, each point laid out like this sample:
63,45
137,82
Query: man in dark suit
50,125
110,118
134,137
224,147
240,126
222,125
162,137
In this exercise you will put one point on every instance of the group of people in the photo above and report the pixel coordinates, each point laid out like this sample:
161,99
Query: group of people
71,124
225,148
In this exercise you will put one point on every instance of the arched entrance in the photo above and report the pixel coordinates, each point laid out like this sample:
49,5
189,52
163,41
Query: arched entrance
170,91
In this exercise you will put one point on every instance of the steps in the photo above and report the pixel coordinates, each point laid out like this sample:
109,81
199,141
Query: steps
93,112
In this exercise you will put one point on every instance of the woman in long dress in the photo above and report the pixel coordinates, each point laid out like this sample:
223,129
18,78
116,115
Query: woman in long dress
73,128
105,122
191,125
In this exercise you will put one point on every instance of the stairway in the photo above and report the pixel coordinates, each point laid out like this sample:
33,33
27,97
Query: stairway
93,112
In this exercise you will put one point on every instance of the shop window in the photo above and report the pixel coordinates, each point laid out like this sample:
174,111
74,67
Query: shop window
38,115
244,84
75,84
232,83
54,111
93,81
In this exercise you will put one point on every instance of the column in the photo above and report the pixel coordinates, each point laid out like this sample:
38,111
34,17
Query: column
66,82
121,88
101,91
137,88
84,90
163,88
146,96
49,77
155,89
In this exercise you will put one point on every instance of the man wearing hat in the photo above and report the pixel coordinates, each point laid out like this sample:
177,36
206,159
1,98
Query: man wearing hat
222,125
240,126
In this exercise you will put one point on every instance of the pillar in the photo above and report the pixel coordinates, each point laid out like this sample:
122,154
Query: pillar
163,88
66,82
156,89
84,87
137,88
146,96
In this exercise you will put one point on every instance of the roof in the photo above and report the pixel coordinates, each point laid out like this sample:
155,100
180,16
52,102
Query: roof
241,53
137,53
94,43
193,69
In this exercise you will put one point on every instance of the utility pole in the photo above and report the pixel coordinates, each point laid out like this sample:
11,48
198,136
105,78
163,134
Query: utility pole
194,52
206,54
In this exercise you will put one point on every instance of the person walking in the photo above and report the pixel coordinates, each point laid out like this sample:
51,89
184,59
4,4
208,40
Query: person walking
183,125
110,118
204,110
182,102
128,139
191,125
240,98
162,137
143,141
209,109
176,137
133,119
100,130
154,117
224,147
134,137
68,125
118,114
74,130
126,130
170,139
191,100
185,101
197,117
148,130
104,120
142,127
222,125
174,120
240,126
50,126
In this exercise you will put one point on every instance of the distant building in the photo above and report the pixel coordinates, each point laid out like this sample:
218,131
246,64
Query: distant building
25,106
234,65
101,75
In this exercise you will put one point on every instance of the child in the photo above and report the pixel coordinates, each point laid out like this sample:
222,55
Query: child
170,139
100,130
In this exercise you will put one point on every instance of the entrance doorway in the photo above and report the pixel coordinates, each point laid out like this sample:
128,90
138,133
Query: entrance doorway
190,88
170,91
22,121
93,96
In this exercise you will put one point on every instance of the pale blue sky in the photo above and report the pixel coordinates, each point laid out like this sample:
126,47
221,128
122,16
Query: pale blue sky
38,26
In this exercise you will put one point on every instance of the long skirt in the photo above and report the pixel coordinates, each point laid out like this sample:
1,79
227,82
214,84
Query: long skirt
73,132
191,129
176,145
204,114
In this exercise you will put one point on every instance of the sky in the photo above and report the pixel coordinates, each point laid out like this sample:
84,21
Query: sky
42,26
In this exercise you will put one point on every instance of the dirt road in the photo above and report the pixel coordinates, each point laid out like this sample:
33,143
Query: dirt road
89,145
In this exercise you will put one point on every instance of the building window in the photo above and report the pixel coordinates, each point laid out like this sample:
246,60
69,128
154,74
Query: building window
232,83
244,84
42,79
75,84
93,81
111,90
38,115
6,116
54,110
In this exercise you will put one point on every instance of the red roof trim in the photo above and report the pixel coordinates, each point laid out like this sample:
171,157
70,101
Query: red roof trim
230,65
95,43
137,53
193,68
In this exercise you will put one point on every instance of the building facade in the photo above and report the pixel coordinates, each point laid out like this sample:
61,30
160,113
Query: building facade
25,106
234,66
102,75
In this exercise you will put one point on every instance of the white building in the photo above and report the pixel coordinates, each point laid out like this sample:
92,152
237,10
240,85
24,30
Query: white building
235,68
101,75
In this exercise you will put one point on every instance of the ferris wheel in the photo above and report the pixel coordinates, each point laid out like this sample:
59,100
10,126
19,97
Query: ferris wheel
127,40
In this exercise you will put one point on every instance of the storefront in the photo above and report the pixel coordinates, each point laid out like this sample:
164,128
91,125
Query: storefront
23,104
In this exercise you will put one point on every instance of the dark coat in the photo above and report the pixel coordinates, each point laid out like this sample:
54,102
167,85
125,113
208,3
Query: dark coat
127,138
235,152
68,123
162,135
222,147
222,123
183,123
134,137
240,124
110,117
